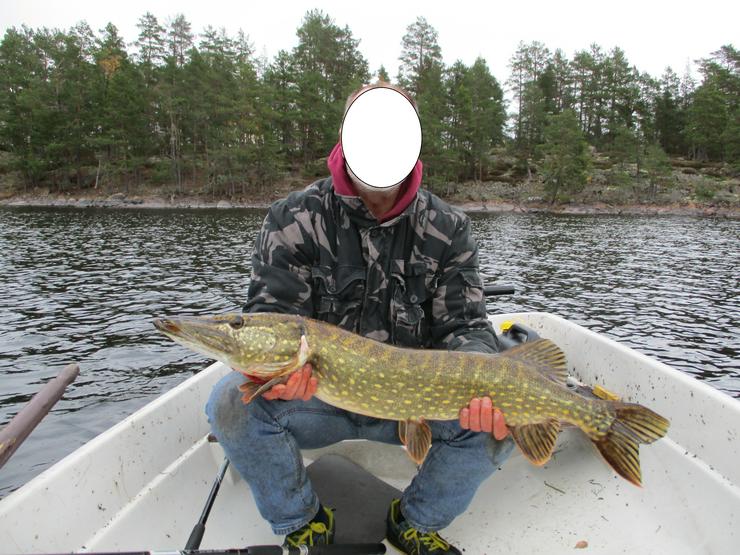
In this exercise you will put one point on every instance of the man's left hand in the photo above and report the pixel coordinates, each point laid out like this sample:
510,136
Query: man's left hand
481,416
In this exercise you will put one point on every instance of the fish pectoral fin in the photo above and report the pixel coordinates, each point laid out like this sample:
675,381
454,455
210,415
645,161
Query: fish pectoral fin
252,389
416,435
537,441
544,355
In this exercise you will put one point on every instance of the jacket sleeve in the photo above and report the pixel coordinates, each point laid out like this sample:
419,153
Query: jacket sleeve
281,265
459,320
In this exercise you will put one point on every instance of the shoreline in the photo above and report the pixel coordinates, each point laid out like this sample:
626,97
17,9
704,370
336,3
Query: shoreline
497,207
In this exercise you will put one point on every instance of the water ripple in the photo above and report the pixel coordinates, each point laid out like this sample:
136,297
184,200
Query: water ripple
84,285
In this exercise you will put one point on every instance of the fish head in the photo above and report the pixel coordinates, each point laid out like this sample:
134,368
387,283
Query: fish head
260,344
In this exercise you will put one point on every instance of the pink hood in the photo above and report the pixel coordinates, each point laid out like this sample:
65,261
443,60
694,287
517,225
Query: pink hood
343,184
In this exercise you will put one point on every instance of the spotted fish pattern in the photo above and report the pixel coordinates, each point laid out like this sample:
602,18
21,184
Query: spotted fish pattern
412,386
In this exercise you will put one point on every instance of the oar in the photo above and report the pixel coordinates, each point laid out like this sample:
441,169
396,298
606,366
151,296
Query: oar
196,536
334,549
23,423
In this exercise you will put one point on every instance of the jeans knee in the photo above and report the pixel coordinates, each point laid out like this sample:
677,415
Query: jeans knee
225,409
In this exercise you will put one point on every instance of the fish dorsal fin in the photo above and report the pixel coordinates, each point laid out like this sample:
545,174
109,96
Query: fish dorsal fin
537,440
416,435
542,354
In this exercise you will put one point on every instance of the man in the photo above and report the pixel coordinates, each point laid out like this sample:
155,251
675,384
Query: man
392,262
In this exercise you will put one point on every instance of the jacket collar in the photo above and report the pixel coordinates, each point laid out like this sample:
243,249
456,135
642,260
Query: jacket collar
347,193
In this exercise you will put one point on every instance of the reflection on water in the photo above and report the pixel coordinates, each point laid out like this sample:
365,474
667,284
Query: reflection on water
83,285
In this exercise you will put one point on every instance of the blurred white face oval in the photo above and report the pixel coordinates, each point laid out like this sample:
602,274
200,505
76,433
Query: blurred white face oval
381,137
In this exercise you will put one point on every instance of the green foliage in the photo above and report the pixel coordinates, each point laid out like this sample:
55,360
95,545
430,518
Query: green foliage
657,166
731,140
706,122
433,113
670,114
79,108
705,191
565,159
327,67
625,147
420,53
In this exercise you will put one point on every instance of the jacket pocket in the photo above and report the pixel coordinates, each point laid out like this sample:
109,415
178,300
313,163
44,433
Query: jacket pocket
338,294
472,292
410,307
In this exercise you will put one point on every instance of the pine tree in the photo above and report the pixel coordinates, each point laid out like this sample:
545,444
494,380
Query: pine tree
383,75
121,131
433,113
280,89
563,82
328,67
529,66
487,114
707,119
75,77
151,45
27,104
174,92
458,133
564,156
420,52
658,168
670,117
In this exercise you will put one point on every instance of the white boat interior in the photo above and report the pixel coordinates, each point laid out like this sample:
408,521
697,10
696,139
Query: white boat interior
141,485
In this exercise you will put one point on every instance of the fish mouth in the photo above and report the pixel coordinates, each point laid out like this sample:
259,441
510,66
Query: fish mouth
165,325
199,334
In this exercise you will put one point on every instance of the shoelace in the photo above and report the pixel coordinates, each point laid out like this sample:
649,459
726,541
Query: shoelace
306,534
429,539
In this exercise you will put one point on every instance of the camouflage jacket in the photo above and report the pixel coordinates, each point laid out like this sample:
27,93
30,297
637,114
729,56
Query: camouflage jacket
411,281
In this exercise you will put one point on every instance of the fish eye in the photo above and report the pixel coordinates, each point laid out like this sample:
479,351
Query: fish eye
237,322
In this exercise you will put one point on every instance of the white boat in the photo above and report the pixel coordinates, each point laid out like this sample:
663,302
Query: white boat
141,485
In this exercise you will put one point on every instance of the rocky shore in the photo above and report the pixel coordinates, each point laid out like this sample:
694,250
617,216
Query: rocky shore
119,200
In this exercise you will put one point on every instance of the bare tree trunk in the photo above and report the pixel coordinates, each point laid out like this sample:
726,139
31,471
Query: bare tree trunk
174,152
97,173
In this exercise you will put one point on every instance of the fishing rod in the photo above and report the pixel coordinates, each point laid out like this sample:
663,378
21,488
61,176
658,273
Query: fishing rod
333,549
196,536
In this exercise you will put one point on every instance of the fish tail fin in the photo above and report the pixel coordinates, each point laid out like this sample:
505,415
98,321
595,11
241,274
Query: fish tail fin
634,424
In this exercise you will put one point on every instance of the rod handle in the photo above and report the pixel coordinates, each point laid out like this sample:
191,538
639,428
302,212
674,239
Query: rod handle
196,536
495,290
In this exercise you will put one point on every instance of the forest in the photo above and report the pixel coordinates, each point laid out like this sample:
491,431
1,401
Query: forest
203,113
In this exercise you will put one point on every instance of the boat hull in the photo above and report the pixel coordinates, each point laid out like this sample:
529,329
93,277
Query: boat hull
142,483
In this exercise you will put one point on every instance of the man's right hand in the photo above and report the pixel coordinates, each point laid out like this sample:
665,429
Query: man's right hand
300,385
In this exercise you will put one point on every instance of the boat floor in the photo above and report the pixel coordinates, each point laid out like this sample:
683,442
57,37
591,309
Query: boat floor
521,508
360,499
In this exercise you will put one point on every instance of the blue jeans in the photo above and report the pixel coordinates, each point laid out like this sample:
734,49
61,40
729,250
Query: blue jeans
263,441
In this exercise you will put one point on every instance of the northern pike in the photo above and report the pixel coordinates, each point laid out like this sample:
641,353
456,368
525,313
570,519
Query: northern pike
364,376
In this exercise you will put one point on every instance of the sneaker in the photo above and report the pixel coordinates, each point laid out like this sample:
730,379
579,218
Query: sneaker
320,531
409,540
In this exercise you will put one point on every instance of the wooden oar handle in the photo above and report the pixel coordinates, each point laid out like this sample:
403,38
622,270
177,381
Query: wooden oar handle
23,423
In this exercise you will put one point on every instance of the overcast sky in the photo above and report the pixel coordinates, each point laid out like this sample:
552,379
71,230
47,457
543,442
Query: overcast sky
653,34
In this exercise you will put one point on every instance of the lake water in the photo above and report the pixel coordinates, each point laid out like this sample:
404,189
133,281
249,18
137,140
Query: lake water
84,285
